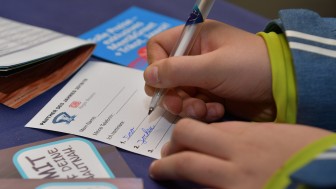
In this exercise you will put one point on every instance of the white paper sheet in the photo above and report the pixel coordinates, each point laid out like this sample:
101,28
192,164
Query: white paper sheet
22,43
107,102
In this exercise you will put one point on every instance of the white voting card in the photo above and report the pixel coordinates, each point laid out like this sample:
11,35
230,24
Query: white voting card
107,102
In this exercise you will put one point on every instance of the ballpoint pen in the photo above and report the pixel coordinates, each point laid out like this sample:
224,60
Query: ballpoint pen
189,33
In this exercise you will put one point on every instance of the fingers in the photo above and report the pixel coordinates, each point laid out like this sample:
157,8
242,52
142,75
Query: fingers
180,103
215,111
210,139
193,166
198,109
197,71
160,45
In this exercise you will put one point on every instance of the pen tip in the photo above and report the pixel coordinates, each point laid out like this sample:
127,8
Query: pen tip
150,111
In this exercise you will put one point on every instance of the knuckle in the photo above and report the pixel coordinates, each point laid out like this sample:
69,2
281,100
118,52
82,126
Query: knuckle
181,129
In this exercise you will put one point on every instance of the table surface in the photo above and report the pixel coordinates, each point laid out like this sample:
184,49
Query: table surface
75,17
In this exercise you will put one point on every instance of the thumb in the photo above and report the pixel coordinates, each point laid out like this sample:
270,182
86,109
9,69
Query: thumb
196,71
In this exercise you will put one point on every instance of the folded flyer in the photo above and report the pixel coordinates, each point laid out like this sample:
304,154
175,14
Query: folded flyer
123,39
34,59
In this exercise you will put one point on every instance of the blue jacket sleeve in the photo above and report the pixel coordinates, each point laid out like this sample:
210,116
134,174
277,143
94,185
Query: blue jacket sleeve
318,174
312,41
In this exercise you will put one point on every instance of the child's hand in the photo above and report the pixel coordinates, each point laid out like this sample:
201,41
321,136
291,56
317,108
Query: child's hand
228,68
230,155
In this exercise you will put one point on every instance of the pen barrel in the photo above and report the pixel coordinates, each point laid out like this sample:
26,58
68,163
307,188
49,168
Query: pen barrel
187,38
192,27
205,6
156,98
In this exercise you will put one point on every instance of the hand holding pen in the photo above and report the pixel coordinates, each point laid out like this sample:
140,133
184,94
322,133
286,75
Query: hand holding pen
226,67
192,27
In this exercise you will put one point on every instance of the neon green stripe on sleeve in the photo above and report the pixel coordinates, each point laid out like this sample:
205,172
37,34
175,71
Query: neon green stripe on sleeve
283,77
280,180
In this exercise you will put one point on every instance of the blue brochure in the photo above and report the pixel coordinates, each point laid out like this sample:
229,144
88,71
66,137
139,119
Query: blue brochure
123,39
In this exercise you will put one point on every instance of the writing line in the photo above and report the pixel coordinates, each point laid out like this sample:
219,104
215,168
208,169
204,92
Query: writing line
111,100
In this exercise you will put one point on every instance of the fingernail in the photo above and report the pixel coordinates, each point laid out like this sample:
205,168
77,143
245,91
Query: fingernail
152,75
191,112
212,113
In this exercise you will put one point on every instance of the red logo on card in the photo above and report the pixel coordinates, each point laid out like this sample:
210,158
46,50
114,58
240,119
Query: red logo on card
74,104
